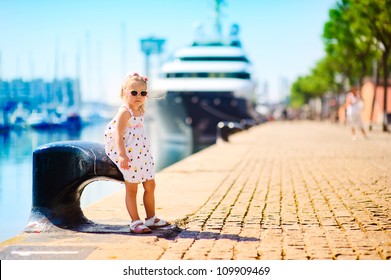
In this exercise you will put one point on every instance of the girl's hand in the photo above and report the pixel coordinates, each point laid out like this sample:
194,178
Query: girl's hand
124,162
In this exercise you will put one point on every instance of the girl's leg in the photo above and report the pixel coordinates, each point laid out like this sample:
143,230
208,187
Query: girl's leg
354,137
354,125
363,132
149,198
131,200
362,129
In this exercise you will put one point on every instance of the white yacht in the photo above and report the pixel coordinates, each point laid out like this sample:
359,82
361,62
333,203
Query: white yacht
204,83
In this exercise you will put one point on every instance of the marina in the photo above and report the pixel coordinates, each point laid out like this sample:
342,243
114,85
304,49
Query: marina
206,83
256,159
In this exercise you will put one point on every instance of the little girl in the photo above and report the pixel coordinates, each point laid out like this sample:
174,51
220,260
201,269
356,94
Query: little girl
128,147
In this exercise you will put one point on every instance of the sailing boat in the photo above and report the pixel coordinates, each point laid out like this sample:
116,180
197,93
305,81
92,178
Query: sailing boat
19,117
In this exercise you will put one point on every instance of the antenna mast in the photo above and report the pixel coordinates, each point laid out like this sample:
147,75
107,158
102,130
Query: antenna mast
1,72
218,4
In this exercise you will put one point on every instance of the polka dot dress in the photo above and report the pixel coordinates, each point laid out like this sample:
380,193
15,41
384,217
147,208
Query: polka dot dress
141,164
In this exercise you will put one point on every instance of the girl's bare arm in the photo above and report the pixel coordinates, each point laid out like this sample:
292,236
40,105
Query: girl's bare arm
122,121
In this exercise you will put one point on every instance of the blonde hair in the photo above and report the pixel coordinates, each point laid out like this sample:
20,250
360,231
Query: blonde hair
135,77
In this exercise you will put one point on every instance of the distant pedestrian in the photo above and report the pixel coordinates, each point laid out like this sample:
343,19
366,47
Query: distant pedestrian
354,107
128,147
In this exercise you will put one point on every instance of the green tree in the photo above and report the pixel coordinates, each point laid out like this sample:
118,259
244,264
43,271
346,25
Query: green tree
300,94
314,85
376,15
357,33
349,46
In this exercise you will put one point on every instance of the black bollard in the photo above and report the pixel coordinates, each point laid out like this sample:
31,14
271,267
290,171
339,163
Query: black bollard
247,123
61,171
225,129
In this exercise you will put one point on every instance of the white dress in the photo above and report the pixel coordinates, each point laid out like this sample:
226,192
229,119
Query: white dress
137,147
353,112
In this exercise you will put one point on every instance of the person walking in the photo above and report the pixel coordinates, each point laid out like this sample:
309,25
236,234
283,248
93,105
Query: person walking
354,107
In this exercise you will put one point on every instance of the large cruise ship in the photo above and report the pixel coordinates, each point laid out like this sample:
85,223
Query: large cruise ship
203,84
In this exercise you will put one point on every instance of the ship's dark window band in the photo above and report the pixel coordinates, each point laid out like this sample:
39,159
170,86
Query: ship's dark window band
234,43
239,75
214,58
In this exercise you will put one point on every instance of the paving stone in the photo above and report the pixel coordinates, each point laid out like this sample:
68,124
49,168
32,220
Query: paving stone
281,190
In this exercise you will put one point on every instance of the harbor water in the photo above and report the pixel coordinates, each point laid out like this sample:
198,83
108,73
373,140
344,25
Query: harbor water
16,148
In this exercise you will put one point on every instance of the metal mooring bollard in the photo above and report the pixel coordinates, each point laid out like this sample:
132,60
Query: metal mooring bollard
247,123
61,171
225,129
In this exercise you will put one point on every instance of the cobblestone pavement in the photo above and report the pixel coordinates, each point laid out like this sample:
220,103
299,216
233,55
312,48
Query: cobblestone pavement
301,191
279,191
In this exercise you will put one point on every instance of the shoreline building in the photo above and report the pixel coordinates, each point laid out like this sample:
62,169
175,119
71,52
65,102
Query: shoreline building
38,94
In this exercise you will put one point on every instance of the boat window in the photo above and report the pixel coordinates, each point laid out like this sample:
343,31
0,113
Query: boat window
214,58
236,75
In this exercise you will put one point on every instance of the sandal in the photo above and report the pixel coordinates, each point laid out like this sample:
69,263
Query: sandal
155,222
139,227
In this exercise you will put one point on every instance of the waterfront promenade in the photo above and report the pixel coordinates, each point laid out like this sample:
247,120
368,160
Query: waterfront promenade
280,190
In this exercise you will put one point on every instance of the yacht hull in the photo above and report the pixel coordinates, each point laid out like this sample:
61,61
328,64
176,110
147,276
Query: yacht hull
192,117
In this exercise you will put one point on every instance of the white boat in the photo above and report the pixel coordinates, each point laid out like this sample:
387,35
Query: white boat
203,84
44,120
19,117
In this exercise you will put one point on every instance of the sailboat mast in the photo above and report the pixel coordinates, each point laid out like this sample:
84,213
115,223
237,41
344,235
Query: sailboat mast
1,72
218,29
76,89
54,95
123,57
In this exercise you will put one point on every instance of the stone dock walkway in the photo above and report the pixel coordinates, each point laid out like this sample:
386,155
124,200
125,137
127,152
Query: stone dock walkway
281,190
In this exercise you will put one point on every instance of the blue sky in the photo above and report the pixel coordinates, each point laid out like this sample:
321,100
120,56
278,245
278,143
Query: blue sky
44,38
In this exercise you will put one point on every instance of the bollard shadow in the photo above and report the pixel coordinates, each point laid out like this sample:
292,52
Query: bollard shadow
171,232
195,234
168,232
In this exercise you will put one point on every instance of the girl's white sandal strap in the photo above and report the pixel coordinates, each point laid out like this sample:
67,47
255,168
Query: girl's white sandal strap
152,222
137,223
139,227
